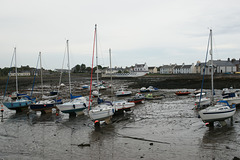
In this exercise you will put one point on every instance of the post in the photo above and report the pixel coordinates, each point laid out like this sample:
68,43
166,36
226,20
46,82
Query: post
2,110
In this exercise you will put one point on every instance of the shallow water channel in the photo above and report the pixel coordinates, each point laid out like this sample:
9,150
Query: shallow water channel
159,129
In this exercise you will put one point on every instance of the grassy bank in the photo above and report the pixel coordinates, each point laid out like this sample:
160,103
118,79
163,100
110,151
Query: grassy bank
187,81
160,81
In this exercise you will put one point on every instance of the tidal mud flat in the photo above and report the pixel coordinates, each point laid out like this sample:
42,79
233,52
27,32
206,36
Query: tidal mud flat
159,129
193,81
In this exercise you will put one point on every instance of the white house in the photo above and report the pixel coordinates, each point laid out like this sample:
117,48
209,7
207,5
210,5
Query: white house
188,69
140,68
219,67
166,69
184,69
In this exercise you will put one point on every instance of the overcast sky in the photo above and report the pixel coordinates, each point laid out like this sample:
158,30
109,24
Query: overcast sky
153,31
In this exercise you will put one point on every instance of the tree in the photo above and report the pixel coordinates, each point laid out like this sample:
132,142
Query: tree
82,68
88,69
77,68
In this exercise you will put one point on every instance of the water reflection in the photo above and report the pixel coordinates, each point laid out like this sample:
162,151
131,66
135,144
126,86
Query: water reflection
219,142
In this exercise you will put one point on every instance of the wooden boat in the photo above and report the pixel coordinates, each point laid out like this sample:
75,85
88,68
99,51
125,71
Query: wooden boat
181,93
138,98
150,96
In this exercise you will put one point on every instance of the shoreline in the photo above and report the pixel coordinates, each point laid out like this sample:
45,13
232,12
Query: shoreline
190,81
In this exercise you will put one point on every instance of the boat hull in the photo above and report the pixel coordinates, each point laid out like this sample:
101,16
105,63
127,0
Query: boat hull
182,93
123,105
212,116
101,112
138,100
41,107
123,93
233,100
203,102
17,104
71,107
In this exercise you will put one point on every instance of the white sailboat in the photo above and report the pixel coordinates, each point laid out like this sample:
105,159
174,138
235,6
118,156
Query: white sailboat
222,110
120,105
102,111
76,105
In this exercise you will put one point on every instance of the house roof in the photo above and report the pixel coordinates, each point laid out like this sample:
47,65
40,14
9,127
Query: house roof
178,67
187,66
222,63
151,67
167,66
139,65
200,64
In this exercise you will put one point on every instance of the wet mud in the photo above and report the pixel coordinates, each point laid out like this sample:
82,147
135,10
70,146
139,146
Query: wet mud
157,129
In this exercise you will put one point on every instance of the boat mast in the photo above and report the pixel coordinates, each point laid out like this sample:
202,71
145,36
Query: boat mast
41,71
15,52
212,67
111,72
69,72
97,59
92,70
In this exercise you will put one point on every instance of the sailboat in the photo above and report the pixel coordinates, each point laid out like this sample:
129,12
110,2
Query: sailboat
76,104
220,111
44,105
17,101
120,105
102,111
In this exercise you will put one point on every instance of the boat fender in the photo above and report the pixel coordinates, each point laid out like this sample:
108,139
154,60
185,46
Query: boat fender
84,105
74,106
113,110
97,121
2,108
